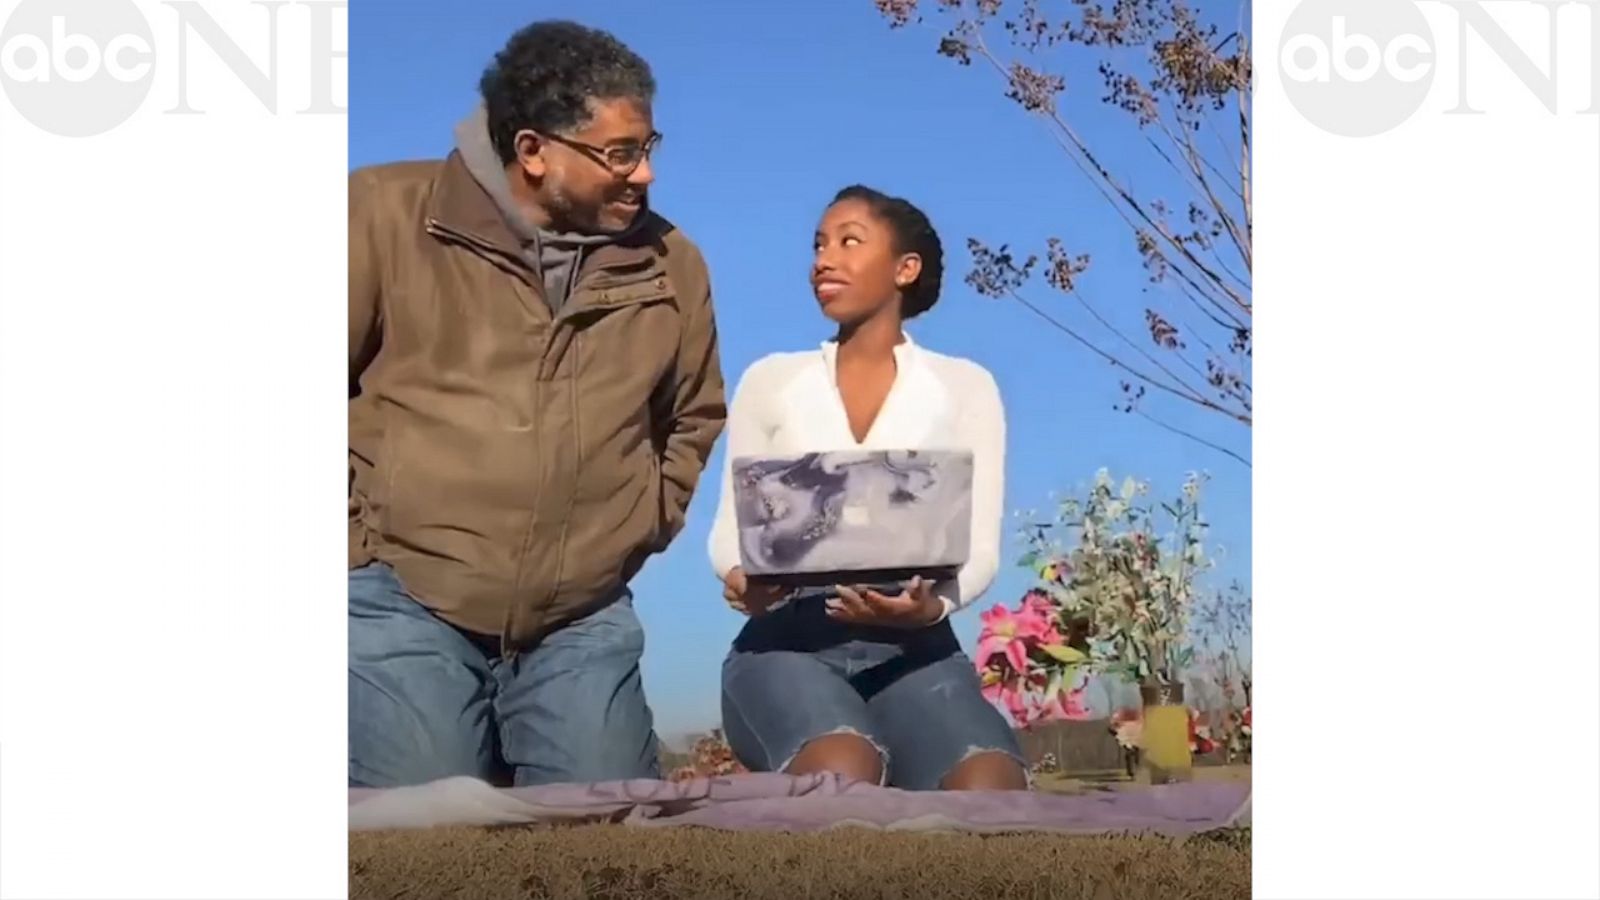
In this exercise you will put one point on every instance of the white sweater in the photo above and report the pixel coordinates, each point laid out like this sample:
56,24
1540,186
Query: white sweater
789,403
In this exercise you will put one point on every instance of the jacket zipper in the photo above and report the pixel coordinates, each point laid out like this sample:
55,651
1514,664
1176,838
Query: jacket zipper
483,247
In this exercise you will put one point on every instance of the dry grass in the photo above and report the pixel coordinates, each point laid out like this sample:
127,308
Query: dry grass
612,862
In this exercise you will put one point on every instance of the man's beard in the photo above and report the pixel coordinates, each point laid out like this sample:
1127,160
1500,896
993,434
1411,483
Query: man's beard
570,215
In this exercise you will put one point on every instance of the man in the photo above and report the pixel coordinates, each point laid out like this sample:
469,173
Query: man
535,388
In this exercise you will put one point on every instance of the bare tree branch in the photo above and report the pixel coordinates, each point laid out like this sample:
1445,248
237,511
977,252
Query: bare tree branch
1174,390
1186,74
1193,437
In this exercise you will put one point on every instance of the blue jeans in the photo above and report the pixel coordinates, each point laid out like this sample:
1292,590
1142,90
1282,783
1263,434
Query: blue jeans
428,701
795,675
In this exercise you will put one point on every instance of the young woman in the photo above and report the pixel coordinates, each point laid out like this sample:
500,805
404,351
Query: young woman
870,686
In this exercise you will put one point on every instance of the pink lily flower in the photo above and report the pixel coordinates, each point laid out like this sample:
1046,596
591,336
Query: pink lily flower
1054,700
1006,696
1068,705
1040,613
1010,634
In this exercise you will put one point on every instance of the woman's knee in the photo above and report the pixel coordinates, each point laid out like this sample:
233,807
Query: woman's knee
843,753
986,770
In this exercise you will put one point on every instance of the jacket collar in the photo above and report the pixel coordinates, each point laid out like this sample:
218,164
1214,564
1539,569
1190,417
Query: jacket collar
461,205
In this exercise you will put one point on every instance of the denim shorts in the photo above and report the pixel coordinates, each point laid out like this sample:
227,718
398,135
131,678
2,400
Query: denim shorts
795,675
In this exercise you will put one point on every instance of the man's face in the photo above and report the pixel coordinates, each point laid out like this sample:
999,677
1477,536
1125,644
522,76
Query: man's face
585,182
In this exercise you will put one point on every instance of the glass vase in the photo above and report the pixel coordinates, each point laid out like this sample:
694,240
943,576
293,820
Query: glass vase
1164,738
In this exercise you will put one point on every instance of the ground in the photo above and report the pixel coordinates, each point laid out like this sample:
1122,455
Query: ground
615,862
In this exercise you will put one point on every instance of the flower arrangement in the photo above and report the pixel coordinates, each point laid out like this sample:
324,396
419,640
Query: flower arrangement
1225,618
1027,666
1238,737
1113,597
1200,739
1127,726
712,758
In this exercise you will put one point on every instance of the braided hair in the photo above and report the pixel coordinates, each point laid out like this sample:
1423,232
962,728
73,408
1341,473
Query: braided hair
913,233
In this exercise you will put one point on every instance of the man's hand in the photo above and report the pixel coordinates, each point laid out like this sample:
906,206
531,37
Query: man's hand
917,607
750,599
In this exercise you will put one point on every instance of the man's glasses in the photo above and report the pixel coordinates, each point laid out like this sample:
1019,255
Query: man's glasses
622,159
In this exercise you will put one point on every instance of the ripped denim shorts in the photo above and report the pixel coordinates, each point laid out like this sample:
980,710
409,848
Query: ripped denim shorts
795,675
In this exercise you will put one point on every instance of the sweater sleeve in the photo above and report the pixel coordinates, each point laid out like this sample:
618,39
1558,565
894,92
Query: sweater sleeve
983,428
747,432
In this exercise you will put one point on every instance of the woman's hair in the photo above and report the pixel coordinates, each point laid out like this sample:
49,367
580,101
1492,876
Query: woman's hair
913,233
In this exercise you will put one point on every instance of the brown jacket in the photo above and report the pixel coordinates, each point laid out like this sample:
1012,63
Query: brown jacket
516,467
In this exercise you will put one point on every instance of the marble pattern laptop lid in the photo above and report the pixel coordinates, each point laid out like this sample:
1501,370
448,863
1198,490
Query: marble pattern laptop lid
846,515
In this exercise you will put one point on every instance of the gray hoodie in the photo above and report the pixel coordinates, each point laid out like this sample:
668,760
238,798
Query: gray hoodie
557,256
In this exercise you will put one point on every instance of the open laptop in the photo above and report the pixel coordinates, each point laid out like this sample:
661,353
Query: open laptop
857,517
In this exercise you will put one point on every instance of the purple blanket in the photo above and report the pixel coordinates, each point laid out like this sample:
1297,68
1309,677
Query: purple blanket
773,802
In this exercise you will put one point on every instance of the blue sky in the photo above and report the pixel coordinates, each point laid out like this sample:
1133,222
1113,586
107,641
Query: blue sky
768,109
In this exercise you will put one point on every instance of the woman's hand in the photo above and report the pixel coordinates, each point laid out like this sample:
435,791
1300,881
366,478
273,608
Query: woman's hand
916,607
750,599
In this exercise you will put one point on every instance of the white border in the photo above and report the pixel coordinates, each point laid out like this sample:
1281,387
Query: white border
172,632
1427,495
171,564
